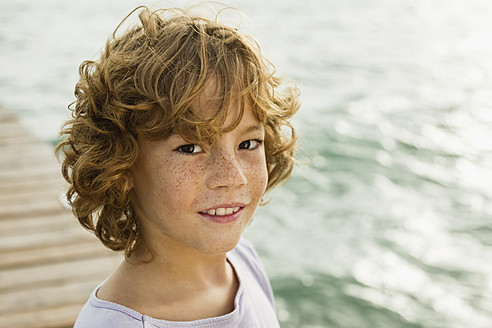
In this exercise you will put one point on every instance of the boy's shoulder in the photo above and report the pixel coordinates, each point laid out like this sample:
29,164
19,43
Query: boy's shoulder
248,262
97,313
243,245
245,252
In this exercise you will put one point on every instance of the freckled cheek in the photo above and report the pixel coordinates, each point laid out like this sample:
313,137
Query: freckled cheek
263,180
258,176
182,180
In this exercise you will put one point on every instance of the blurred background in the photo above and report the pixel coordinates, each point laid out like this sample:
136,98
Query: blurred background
389,222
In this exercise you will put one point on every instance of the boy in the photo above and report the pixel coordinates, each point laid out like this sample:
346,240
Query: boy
177,133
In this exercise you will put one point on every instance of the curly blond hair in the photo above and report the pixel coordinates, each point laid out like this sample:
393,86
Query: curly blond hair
144,84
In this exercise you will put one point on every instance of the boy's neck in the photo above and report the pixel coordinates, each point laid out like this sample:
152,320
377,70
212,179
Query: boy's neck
177,288
182,265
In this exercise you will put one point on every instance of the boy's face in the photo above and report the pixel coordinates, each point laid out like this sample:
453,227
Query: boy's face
200,196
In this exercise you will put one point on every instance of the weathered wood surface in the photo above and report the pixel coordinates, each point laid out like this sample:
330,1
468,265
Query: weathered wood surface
48,264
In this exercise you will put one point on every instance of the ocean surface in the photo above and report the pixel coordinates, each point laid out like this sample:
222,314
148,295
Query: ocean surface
387,220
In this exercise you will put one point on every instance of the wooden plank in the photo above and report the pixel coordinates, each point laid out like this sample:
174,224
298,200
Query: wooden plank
45,207
57,317
41,239
49,265
6,116
16,187
11,129
27,196
22,174
19,258
32,159
23,149
36,223
24,139
48,297
53,274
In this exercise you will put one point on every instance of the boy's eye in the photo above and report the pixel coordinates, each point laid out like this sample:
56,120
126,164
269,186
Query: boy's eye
189,149
250,144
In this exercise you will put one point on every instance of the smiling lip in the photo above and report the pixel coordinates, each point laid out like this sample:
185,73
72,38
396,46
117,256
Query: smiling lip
223,213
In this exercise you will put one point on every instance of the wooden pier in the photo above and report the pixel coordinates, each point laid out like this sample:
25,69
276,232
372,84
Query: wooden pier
48,264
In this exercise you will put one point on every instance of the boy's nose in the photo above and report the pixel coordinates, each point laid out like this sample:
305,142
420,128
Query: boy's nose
226,171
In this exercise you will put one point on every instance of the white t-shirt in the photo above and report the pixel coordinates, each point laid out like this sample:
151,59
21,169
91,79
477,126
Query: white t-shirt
253,305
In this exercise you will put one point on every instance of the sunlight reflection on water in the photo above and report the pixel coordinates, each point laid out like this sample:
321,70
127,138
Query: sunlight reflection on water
389,223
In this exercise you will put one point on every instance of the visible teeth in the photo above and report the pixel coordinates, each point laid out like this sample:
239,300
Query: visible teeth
222,211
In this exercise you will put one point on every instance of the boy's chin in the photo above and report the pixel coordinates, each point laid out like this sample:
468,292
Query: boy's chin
219,247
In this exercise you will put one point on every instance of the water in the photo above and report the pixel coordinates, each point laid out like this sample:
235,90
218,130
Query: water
389,222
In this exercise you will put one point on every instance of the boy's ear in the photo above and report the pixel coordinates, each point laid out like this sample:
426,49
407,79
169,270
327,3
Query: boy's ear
128,181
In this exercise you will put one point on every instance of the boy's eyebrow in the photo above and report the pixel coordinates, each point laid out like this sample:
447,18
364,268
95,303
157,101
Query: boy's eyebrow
256,127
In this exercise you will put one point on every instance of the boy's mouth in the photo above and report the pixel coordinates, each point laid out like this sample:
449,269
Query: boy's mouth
222,211
223,214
